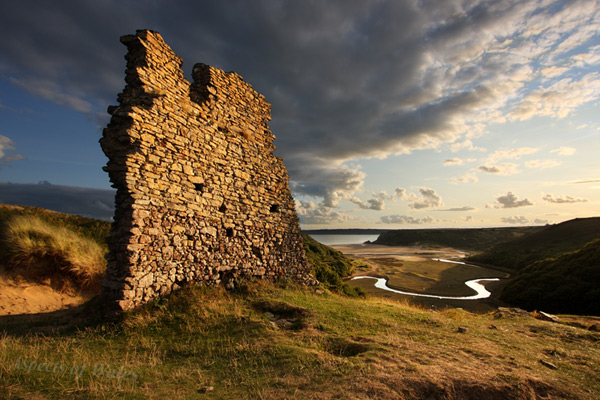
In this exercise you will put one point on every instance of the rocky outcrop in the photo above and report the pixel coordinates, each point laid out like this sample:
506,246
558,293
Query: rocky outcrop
200,195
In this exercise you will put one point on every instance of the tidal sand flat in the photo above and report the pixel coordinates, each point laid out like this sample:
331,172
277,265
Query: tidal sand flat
424,276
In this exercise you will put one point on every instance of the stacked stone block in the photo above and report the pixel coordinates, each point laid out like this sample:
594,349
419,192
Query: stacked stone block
200,195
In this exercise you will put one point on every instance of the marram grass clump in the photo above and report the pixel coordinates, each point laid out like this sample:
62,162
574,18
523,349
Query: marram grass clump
35,249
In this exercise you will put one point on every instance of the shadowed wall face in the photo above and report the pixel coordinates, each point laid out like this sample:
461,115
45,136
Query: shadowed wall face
200,195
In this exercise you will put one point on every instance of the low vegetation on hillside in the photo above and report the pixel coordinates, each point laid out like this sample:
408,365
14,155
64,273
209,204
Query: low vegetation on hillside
267,341
550,242
43,246
556,269
466,239
330,266
278,341
566,284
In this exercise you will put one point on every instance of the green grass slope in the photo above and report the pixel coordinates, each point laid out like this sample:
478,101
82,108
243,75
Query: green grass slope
550,242
330,266
273,342
468,239
567,284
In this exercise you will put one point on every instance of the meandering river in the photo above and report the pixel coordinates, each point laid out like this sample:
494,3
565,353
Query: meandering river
482,292
475,284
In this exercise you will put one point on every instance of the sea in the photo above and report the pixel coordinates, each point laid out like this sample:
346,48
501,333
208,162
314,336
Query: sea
336,239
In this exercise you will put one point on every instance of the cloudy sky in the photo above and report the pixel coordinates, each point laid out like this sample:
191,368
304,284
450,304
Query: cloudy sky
388,113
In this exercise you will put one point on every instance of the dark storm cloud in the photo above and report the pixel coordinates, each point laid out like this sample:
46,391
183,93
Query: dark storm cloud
347,79
93,203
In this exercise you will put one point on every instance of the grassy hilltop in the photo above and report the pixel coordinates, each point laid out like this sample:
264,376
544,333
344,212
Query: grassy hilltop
477,239
279,341
556,269
548,242
566,284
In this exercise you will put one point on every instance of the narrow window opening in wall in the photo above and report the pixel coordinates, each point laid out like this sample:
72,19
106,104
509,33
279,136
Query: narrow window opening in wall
199,187
274,208
229,232
223,208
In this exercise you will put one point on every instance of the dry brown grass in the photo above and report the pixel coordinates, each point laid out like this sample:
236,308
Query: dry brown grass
343,349
37,250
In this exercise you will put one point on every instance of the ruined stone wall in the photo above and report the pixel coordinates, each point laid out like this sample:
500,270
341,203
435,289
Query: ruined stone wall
200,195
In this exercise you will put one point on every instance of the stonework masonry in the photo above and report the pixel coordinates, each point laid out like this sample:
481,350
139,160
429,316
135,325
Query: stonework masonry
200,195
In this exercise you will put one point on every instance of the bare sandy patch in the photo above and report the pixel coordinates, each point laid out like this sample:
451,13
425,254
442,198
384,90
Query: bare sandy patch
18,296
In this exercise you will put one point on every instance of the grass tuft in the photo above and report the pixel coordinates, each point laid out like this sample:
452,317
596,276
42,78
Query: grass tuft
38,250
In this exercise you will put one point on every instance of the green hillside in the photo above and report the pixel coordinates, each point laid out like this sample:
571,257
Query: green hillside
330,266
468,239
549,242
271,342
567,284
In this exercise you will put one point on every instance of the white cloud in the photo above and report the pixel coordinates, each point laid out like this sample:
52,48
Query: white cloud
507,154
564,151
400,194
559,99
465,208
328,180
50,90
515,220
590,58
554,71
347,79
509,200
466,144
376,203
542,164
500,169
563,199
467,178
429,198
453,161
584,181
313,214
406,219
6,146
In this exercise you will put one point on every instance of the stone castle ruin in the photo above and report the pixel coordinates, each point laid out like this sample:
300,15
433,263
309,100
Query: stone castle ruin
200,195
